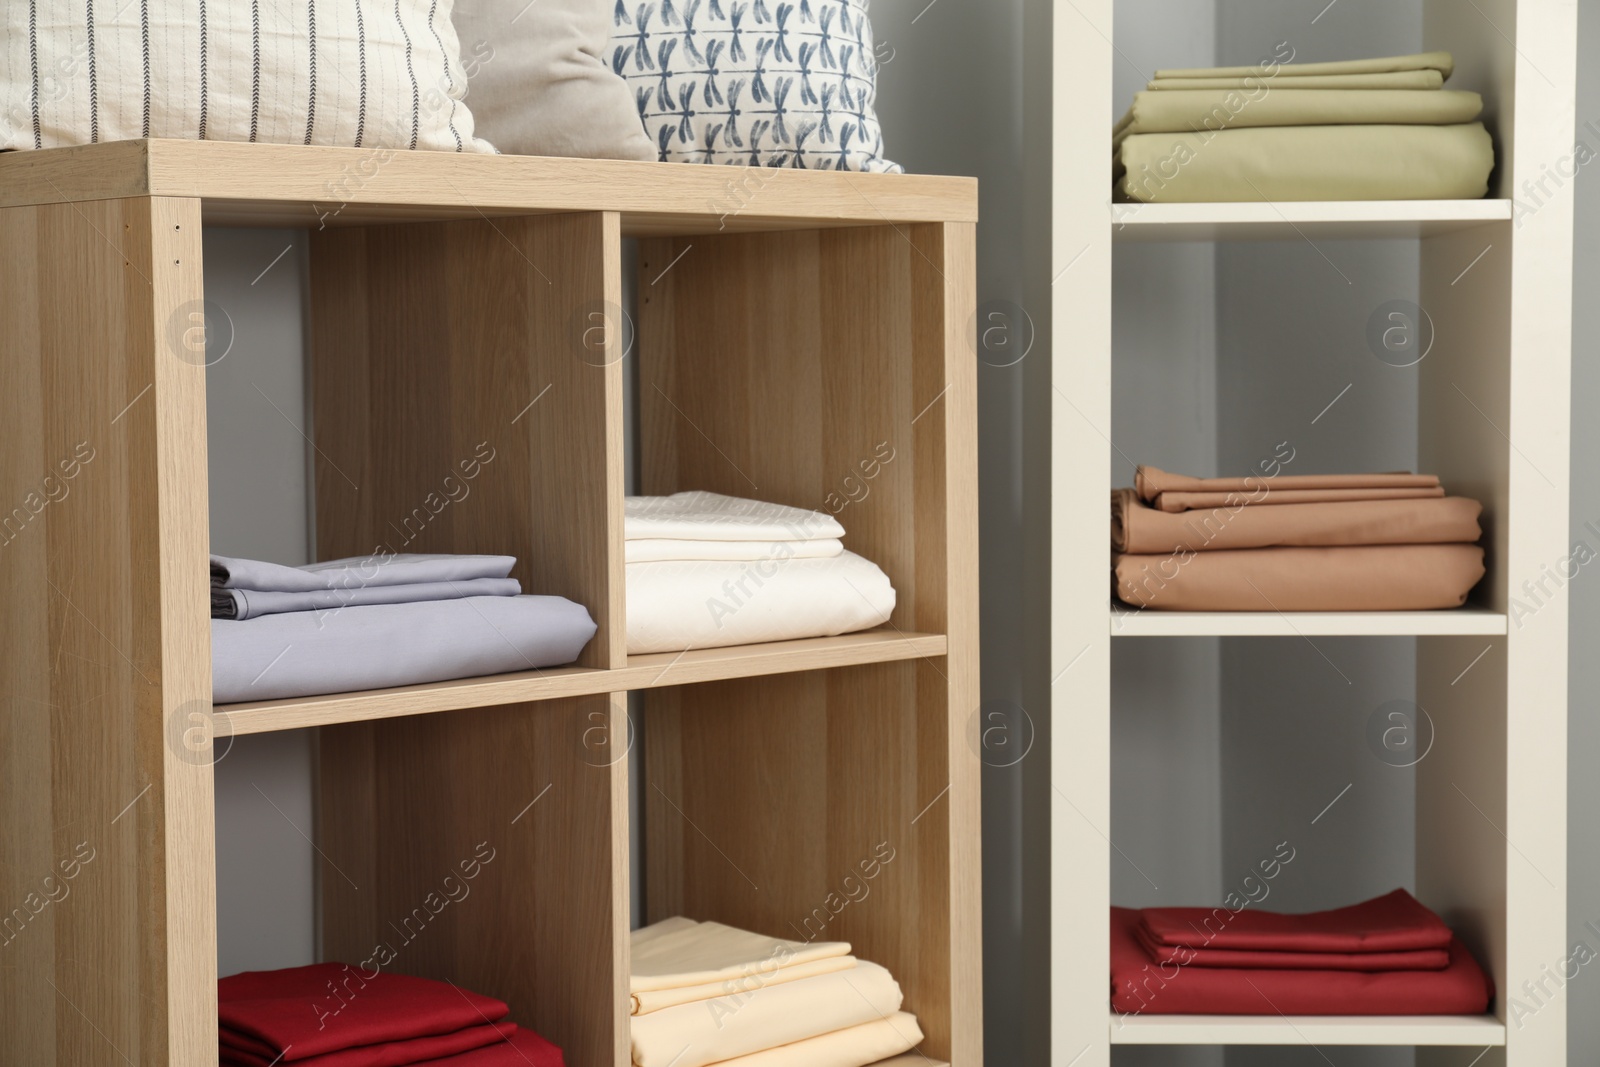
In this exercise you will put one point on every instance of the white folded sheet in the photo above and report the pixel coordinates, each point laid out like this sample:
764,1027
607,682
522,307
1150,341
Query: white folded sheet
710,1031
698,515
379,646
250,603
355,572
664,549
678,605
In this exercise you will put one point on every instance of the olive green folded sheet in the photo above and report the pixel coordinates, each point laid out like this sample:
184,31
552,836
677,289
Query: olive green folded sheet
1438,61
1288,163
1363,578
1410,80
1194,111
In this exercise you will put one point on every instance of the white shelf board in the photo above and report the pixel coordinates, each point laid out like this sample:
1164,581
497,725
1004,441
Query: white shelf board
1128,623
1478,1031
1308,220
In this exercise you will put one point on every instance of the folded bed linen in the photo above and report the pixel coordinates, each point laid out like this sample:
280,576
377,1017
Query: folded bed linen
1139,528
1290,163
679,605
1405,81
1189,956
664,550
1141,986
251,603
1194,110
760,976
1152,482
380,646
699,515
1439,61
855,1046
239,1050
680,953
324,1008
705,1032
1394,922
356,572
1266,494
1360,578
524,1049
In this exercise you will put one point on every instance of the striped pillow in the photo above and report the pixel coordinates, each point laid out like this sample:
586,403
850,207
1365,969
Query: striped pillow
357,73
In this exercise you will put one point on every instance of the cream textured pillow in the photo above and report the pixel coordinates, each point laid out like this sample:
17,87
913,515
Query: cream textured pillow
540,86
356,73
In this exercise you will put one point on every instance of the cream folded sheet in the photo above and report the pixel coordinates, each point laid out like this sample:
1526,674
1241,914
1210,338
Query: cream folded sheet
675,606
856,1046
680,952
1194,111
711,1031
1409,80
760,976
698,515
1288,163
666,550
1439,61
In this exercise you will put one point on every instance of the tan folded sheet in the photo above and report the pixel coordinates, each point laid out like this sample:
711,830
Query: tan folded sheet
710,1031
854,1047
1439,61
1137,527
1176,502
1150,482
1373,578
1290,163
759,977
1412,80
680,952
1192,110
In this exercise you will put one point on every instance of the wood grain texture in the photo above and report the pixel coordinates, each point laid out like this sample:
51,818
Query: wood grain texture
467,397
487,849
642,672
832,370
107,868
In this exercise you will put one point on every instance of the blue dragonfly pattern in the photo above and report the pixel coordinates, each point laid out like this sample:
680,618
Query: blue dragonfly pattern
765,83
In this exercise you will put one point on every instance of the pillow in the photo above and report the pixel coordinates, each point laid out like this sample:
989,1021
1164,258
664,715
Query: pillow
355,73
541,86
769,83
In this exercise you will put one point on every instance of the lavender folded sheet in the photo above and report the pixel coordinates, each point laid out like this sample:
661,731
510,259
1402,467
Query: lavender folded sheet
1362,578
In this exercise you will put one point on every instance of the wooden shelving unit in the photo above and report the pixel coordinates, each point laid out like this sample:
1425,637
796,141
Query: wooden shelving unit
781,335
1497,874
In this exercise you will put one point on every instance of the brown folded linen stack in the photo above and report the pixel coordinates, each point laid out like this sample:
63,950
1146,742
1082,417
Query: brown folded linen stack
1361,542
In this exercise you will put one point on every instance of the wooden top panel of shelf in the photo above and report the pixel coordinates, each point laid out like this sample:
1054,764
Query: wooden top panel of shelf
642,672
1471,1030
297,185
1362,219
1305,624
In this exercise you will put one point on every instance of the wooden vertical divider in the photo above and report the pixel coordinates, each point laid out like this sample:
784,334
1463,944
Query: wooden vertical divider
831,370
467,397
106,868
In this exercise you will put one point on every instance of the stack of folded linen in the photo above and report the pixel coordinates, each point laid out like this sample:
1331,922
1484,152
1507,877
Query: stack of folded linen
336,1015
706,571
1322,542
706,993
377,622
1387,956
1372,129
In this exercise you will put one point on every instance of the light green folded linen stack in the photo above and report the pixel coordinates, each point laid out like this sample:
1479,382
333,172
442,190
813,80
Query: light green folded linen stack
1312,131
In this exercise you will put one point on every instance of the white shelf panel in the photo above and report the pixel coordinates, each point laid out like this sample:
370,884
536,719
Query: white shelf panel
1311,220
1305,624
1477,1031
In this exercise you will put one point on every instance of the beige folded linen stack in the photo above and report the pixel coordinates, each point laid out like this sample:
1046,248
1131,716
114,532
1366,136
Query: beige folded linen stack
704,993
1370,129
1360,542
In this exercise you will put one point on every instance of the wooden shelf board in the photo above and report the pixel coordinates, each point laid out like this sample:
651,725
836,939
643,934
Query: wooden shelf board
311,186
1126,623
1312,220
1406,1030
642,672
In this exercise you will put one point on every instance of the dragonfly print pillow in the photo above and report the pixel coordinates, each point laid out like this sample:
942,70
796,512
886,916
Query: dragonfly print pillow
763,83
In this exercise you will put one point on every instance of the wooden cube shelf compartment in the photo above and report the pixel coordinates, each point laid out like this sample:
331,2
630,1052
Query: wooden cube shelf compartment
469,309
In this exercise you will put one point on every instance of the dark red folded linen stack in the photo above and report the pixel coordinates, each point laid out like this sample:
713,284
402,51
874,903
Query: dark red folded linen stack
338,1015
1387,956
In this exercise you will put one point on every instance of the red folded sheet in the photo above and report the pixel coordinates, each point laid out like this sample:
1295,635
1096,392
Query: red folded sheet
1394,922
303,1012
525,1049
240,1050
1140,985
1430,959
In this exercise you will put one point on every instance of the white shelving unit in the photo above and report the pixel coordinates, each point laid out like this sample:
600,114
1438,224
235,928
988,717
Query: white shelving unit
1503,336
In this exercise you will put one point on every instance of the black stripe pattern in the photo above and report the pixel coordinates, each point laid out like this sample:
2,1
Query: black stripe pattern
144,34
416,96
311,90
361,52
202,69
255,68
94,84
